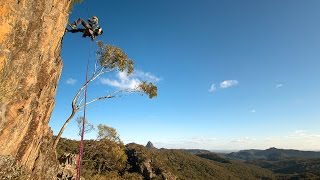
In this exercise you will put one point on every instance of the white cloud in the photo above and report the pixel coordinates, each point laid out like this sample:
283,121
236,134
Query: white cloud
279,85
147,76
253,110
123,81
188,143
244,140
71,81
228,83
223,85
303,134
212,88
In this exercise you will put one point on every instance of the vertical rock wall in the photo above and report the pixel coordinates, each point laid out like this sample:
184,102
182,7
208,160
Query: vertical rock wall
30,66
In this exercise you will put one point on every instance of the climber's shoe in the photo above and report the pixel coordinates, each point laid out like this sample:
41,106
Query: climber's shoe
73,26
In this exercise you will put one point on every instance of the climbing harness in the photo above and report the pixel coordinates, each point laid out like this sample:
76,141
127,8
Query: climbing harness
83,121
88,30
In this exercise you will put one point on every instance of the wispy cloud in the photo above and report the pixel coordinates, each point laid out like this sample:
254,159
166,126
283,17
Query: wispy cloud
223,85
244,140
279,85
253,110
228,83
147,76
123,81
188,143
71,81
303,134
212,88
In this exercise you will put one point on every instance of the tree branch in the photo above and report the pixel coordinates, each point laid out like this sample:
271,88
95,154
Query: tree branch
112,95
108,59
93,77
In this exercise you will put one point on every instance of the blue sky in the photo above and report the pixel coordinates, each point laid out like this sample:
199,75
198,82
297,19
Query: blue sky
230,74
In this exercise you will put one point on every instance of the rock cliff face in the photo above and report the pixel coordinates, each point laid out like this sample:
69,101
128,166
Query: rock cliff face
30,67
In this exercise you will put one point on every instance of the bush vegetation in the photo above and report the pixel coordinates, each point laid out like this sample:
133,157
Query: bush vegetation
107,159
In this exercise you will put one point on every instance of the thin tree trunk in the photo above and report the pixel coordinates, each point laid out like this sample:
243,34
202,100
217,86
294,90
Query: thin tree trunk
76,107
74,110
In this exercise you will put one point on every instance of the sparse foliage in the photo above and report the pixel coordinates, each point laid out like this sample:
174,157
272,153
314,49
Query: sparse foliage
88,127
103,156
149,89
109,58
100,157
109,133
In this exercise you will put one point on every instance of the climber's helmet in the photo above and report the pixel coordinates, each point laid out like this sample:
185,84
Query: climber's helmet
95,19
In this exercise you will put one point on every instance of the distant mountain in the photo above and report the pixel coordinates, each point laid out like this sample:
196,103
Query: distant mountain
184,165
286,163
291,168
196,151
150,145
213,157
271,154
206,155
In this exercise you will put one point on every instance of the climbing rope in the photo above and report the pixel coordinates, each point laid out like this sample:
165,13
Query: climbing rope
84,118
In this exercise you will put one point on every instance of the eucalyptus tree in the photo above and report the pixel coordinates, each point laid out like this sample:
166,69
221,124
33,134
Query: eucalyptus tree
88,127
108,59
109,133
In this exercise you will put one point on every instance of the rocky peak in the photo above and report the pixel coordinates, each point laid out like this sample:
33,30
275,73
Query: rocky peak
141,160
150,145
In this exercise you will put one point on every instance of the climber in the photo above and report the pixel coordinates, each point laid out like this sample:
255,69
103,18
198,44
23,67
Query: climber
91,28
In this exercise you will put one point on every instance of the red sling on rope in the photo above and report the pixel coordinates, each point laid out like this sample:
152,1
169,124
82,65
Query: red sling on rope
83,121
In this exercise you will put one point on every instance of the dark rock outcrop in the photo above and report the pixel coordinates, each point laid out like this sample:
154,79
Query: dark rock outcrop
30,67
141,161
68,166
150,145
